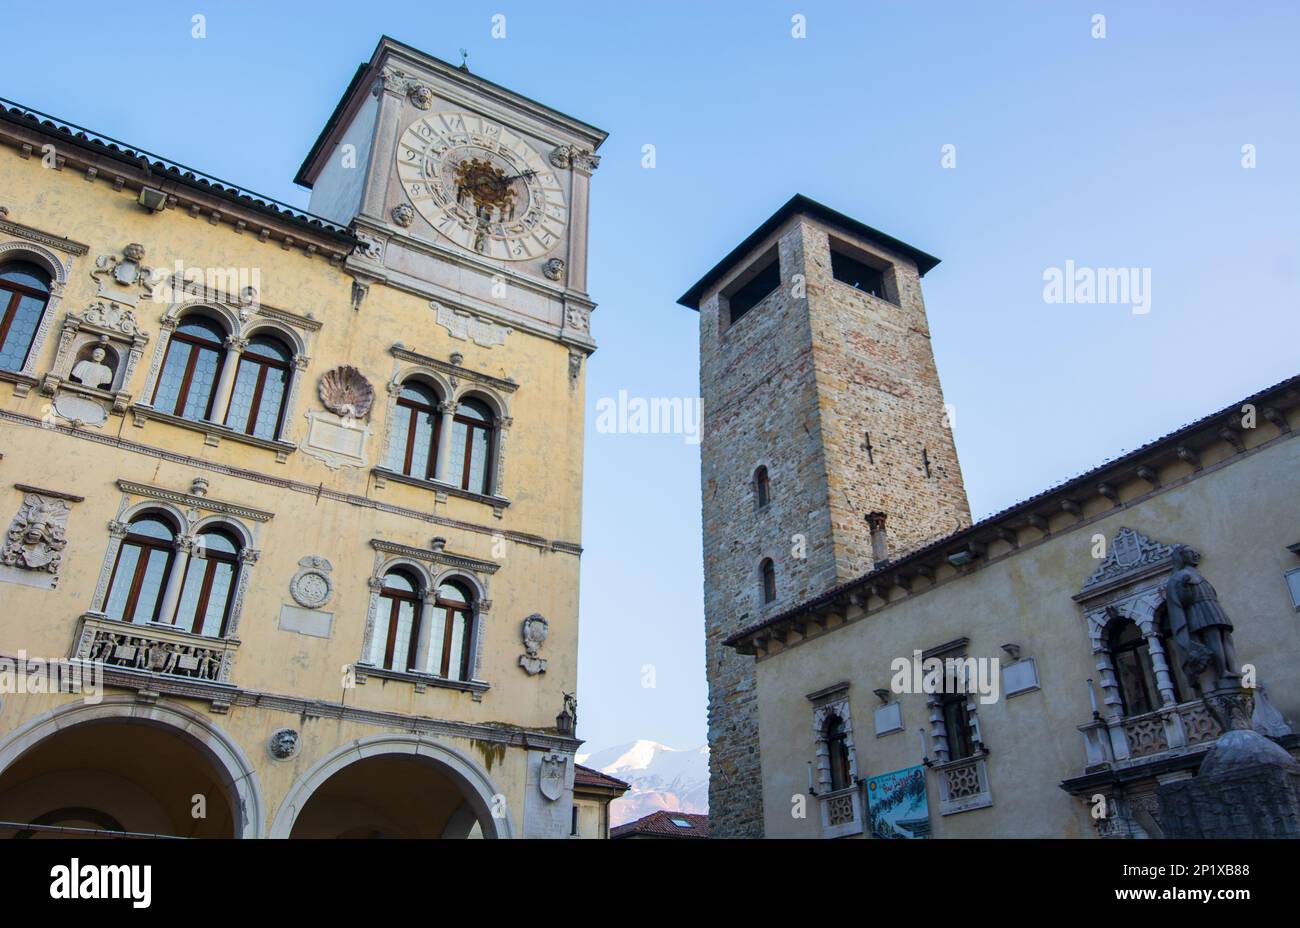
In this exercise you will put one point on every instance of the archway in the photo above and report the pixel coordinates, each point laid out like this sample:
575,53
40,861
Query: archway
88,770
393,786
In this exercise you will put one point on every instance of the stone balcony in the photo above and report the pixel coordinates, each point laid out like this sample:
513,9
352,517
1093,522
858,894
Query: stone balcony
963,784
1164,733
155,649
842,812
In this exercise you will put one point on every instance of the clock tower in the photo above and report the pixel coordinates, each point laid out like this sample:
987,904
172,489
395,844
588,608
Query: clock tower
463,191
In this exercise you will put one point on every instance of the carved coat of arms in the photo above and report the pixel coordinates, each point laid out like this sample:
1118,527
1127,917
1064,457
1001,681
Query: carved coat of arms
552,775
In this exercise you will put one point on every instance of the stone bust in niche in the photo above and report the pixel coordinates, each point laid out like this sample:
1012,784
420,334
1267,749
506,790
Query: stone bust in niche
93,372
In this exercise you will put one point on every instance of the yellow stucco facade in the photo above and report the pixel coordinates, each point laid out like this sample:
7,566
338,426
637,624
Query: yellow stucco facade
313,498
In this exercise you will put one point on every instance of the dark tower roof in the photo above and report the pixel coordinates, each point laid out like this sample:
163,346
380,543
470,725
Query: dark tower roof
801,205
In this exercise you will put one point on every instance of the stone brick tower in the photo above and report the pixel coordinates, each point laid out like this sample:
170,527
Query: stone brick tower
821,405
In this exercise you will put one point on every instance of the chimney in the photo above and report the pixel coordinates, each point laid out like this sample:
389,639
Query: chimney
879,541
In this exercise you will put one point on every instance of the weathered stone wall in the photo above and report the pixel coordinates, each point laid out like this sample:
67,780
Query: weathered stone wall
794,385
876,379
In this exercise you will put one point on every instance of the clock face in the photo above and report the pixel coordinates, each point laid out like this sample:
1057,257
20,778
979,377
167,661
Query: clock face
482,186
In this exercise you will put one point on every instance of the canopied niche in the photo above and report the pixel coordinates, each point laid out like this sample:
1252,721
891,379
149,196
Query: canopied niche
99,350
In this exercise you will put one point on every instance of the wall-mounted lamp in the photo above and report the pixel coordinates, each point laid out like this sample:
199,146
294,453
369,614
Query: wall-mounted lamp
1013,651
882,694
812,791
152,199
961,558
925,749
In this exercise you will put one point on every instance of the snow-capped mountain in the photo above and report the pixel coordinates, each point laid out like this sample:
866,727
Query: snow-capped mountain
661,778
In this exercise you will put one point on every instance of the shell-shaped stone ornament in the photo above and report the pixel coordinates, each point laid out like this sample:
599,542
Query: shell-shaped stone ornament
345,392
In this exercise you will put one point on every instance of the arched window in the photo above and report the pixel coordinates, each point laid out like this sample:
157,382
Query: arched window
452,634
956,725
767,571
1131,658
24,293
762,488
144,562
261,385
416,427
188,382
1130,655
208,592
837,747
397,622
471,447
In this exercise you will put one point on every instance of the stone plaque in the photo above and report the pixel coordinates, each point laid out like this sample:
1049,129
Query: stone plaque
76,408
889,719
336,441
1020,677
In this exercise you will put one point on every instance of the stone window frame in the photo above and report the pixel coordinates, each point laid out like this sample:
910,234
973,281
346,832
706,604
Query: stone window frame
760,574
432,569
888,269
755,267
832,701
191,522
761,504
451,390
1139,606
842,811
241,322
1129,584
963,782
1292,579
20,249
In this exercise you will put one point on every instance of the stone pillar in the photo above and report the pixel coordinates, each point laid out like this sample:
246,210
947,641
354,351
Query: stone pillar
938,733
391,89
1160,664
296,375
221,398
448,411
426,625
172,592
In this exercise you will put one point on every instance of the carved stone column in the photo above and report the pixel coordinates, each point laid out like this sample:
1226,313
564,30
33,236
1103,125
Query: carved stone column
296,374
221,399
376,584
938,731
116,532
166,328
448,412
1159,663
1109,685
498,462
42,330
247,558
172,592
391,89
421,661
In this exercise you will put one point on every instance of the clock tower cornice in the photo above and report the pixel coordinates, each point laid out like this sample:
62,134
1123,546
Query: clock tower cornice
394,67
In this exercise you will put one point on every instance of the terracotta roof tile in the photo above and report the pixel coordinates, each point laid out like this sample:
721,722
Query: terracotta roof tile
586,776
664,824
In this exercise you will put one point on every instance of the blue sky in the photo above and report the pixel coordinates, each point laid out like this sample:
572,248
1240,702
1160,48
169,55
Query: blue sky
1123,151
